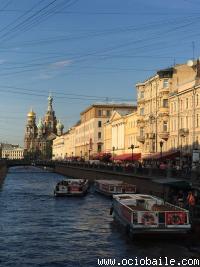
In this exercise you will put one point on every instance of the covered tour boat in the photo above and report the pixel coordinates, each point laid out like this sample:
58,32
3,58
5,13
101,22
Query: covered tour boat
113,187
71,187
142,214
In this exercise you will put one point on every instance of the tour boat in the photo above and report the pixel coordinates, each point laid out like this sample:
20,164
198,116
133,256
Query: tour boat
143,214
71,187
113,187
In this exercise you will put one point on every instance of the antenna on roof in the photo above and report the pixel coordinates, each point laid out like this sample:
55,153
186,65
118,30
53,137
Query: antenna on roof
174,61
193,49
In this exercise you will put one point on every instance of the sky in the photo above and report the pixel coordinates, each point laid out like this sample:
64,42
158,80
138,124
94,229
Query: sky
84,52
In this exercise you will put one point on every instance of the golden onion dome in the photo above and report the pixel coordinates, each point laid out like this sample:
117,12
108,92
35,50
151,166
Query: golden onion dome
31,113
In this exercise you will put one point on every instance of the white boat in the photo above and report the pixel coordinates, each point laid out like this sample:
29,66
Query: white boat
71,187
113,187
142,214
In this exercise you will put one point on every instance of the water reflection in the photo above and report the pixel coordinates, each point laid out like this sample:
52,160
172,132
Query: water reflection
37,229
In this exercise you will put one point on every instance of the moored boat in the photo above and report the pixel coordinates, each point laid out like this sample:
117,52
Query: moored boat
71,187
113,187
143,214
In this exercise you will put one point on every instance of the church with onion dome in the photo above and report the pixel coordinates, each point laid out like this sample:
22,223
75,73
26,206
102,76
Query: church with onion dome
39,137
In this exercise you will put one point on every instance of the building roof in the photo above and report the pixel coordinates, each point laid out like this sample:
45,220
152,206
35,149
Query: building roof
109,105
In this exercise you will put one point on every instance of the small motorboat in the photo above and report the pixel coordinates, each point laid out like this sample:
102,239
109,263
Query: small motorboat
113,187
71,187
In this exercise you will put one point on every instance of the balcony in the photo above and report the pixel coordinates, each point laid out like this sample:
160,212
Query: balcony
140,121
163,111
164,91
164,135
152,135
141,100
140,139
183,132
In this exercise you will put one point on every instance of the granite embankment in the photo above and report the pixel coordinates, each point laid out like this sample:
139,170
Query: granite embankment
3,171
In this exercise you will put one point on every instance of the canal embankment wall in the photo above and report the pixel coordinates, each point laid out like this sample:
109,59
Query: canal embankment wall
3,171
144,185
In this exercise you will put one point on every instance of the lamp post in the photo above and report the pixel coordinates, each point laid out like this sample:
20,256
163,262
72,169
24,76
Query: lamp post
161,145
89,153
113,150
81,154
132,147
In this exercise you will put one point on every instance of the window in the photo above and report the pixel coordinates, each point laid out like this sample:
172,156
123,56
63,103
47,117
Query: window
197,101
186,102
99,124
142,111
142,94
99,147
141,131
164,126
165,83
108,113
165,103
99,135
182,123
99,112
174,124
175,106
186,118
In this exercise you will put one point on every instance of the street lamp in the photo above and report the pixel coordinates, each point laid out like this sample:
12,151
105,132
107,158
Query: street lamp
113,150
161,145
81,154
132,147
89,153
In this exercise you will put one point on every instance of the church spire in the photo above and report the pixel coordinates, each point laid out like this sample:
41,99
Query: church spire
50,100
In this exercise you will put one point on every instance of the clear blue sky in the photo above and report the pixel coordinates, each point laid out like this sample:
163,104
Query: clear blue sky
85,51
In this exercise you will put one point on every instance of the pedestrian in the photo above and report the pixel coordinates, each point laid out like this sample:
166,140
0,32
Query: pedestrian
191,203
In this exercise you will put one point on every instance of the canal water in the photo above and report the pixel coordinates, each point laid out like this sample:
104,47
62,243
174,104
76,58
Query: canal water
37,229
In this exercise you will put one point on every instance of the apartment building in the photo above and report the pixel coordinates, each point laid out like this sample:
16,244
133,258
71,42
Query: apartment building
89,134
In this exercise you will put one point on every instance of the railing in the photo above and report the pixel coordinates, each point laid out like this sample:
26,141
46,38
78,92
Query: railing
150,172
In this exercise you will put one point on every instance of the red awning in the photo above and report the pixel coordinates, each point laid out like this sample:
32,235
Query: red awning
101,155
165,155
128,157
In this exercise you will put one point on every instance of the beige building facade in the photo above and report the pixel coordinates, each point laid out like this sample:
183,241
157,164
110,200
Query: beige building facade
153,112
185,108
64,145
169,109
167,118
89,134
13,153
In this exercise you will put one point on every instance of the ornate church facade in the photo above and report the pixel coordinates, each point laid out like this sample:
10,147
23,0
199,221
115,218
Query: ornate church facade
39,138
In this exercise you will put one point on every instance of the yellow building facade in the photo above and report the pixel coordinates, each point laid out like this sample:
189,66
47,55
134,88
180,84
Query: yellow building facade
120,133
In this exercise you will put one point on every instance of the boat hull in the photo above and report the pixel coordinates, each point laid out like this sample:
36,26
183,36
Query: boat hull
131,231
71,188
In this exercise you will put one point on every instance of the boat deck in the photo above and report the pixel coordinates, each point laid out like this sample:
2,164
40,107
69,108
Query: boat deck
154,208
